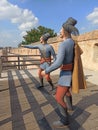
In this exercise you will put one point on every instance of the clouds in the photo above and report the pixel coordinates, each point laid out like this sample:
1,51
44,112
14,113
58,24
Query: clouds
23,18
93,17
91,22
9,38
15,21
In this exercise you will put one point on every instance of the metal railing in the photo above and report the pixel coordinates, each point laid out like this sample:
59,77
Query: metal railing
18,61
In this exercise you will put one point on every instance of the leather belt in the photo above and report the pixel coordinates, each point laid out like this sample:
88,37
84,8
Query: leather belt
45,60
67,67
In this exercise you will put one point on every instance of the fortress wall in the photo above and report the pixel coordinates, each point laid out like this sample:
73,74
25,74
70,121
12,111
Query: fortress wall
88,42
90,54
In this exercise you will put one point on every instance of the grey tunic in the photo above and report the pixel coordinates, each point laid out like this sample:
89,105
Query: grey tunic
46,51
65,56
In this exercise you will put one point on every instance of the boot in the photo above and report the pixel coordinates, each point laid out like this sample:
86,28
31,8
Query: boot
63,122
69,103
50,82
41,83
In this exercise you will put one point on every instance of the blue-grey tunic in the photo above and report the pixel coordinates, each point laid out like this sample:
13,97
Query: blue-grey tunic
46,51
65,56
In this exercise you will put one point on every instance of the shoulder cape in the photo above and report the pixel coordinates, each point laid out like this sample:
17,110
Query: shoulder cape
78,79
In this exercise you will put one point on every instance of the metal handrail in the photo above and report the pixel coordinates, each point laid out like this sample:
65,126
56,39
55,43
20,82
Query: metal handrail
21,61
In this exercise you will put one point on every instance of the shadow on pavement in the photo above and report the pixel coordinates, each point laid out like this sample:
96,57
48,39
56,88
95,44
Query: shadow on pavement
77,118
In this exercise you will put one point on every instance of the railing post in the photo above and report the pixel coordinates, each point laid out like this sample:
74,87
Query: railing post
0,65
24,63
19,62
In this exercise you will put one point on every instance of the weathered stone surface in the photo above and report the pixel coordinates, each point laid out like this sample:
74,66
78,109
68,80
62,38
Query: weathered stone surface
88,42
24,107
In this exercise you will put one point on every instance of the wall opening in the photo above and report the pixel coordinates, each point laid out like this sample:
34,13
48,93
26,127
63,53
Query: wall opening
95,52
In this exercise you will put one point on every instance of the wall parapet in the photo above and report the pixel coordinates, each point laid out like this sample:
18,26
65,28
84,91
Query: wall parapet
88,43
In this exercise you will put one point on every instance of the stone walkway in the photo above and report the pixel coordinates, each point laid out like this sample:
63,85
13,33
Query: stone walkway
24,107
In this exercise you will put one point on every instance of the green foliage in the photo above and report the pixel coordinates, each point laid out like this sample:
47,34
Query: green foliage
34,35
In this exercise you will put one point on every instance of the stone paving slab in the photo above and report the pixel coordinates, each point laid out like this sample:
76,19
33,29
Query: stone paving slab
24,107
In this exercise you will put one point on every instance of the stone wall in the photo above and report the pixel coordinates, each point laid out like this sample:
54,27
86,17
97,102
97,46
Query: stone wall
88,42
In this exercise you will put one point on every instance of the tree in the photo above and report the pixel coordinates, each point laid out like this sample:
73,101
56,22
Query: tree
34,35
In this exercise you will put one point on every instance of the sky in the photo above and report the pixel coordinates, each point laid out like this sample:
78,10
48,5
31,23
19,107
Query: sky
19,16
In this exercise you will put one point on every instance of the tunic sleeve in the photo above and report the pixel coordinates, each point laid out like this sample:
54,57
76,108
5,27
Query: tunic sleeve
32,47
59,59
53,53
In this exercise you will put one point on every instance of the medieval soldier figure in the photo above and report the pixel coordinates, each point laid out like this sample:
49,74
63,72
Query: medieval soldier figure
47,52
64,60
